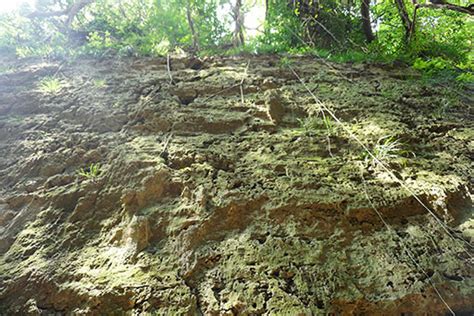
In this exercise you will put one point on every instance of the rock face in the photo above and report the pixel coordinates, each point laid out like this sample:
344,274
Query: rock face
202,204
275,108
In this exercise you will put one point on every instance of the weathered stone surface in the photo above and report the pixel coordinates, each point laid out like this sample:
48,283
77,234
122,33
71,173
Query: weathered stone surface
275,108
205,204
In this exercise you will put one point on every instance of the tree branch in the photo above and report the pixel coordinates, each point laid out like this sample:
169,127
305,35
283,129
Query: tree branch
71,12
41,14
448,6
74,10
408,24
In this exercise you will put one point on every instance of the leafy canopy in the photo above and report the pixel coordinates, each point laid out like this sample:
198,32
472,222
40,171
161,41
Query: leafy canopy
440,40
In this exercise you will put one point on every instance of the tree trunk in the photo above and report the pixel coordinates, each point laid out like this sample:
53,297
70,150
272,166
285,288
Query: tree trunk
191,26
239,24
408,24
366,23
307,12
266,10
74,10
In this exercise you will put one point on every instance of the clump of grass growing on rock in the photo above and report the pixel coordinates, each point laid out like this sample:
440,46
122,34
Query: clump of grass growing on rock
5,69
328,124
309,125
312,124
440,111
100,83
387,147
90,172
284,62
50,85
386,150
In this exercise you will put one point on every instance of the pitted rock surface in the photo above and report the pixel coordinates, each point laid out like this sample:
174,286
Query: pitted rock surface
225,192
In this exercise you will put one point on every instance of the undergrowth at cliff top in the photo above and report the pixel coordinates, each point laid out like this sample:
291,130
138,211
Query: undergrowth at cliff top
430,37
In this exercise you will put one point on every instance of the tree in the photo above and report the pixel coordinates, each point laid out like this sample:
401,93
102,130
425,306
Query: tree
441,4
238,17
191,26
408,24
366,22
71,11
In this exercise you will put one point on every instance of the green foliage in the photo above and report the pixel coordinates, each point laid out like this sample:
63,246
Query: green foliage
312,124
49,85
441,43
284,62
5,69
309,125
441,110
387,147
443,70
27,38
328,123
467,77
434,65
386,150
99,41
282,30
151,27
100,83
334,25
132,27
441,46
125,28
91,172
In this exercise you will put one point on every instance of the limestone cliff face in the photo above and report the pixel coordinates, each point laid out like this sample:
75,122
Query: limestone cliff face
227,193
